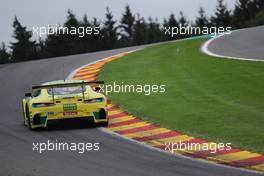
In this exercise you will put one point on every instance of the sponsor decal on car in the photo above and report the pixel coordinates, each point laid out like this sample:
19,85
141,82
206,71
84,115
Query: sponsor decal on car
71,113
50,113
69,107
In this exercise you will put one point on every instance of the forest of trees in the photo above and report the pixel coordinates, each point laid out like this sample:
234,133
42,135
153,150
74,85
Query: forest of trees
132,29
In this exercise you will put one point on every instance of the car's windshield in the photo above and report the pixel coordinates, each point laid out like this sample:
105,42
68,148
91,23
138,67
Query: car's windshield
66,90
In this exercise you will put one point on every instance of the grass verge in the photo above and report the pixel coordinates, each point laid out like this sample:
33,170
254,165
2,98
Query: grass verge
212,98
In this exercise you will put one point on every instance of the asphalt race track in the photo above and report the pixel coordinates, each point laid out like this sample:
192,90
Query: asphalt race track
246,43
117,157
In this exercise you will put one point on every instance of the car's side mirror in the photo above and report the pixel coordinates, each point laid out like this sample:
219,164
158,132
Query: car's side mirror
28,95
97,89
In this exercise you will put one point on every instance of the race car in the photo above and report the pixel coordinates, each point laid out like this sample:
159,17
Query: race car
64,99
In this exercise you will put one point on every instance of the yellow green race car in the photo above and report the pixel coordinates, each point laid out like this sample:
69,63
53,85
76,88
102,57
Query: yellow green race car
64,99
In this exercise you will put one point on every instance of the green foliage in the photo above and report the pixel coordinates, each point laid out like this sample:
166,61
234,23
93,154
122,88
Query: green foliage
258,20
127,25
23,48
183,20
242,13
171,22
140,31
222,16
61,44
4,55
154,32
246,11
201,21
109,31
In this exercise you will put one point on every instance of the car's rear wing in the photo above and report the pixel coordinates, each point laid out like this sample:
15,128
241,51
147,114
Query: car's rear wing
92,83
82,84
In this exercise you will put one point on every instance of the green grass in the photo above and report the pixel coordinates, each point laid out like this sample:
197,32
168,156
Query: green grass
212,98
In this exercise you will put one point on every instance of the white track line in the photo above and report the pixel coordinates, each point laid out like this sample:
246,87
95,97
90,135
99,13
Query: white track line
205,50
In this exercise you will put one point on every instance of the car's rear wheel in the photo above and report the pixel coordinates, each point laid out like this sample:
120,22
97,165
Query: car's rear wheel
28,118
24,118
104,124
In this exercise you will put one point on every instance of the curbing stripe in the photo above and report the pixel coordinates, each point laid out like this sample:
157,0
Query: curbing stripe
236,156
112,108
136,129
163,141
217,152
127,122
259,167
114,112
87,72
121,119
160,135
130,126
248,162
117,115
147,133
89,69
86,77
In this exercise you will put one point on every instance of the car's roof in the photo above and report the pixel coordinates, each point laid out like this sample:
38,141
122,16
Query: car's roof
62,82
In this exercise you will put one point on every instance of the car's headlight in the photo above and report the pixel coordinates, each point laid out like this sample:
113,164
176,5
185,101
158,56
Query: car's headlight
41,105
94,100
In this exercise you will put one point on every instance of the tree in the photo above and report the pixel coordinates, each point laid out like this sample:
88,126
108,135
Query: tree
242,13
222,16
154,32
72,41
183,23
41,48
248,13
183,20
62,42
24,48
170,23
55,45
96,40
201,21
71,20
109,31
259,4
85,44
140,30
127,23
4,55
134,30
258,20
